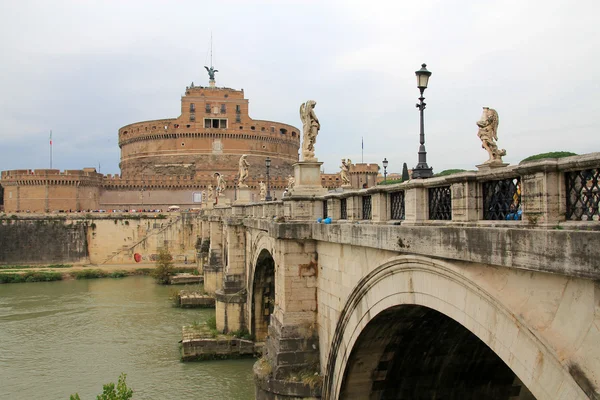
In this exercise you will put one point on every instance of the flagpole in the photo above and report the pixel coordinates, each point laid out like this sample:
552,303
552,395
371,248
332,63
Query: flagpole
362,145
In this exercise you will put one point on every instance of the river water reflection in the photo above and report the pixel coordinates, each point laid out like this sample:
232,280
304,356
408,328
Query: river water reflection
58,338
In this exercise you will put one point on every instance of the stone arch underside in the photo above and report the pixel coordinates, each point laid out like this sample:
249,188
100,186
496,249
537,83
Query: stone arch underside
261,287
420,289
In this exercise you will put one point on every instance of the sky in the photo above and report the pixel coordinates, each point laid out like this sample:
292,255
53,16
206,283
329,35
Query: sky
84,68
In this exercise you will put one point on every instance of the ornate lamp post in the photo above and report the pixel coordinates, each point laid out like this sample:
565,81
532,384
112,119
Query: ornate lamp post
385,164
422,170
268,165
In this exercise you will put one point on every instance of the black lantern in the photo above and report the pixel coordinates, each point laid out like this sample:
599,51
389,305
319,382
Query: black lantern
422,170
385,164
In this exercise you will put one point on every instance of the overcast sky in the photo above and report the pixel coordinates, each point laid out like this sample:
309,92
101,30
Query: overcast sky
86,68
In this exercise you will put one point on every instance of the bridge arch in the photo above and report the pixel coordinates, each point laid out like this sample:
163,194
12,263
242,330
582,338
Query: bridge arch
419,291
261,287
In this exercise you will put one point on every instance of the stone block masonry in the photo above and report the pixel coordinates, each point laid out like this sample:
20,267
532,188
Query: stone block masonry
43,241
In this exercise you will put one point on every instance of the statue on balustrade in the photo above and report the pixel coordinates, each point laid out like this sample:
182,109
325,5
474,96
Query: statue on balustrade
488,133
263,191
210,193
310,130
243,171
221,184
344,170
291,181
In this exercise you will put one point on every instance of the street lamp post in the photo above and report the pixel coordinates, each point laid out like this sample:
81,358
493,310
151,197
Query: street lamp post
422,170
385,164
268,165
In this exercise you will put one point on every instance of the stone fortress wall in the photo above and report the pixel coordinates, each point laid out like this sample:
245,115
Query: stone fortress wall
168,161
44,190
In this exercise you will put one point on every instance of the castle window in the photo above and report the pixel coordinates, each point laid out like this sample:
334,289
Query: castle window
215,123
223,109
192,117
252,128
293,134
187,126
272,129
192,107
207,108
262,129
241,127
283,131
238,118
238,109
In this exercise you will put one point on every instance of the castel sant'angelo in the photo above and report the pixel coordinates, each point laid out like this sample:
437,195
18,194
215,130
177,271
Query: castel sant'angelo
173,161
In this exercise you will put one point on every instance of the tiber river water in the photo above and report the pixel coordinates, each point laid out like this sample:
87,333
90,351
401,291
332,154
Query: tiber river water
58,338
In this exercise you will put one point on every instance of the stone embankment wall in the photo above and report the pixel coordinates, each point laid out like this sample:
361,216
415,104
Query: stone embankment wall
117,241
43,241
97,239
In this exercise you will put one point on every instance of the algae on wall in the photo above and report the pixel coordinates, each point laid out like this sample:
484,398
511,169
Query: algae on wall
42,241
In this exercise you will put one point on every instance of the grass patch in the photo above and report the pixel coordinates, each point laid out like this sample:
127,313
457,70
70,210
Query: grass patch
447,172
552,154
89,274
30,276
390,182
20,267
242,334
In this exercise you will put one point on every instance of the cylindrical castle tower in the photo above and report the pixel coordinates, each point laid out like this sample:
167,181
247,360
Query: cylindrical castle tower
213,131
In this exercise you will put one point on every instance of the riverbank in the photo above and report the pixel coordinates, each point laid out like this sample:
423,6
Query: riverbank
58,272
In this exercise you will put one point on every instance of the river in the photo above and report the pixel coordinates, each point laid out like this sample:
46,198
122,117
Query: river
59,338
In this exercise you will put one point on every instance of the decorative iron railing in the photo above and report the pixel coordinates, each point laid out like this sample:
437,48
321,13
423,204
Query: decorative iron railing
325,209
343,209
502,199
366,207
440,203
583,195
397,205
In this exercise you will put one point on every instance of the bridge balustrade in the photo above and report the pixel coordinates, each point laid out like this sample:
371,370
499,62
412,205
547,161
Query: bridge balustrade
542,192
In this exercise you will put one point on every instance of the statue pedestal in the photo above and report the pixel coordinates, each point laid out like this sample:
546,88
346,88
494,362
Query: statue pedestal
211,83
244,195
223,201
491,165
308,179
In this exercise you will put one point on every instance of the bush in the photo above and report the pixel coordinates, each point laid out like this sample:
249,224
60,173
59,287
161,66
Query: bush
552,154
109,392
30,276
164,267
89,274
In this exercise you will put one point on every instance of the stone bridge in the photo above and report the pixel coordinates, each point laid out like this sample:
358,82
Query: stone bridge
470,286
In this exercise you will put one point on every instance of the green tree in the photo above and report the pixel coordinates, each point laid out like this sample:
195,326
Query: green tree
405,176
164,267
109,392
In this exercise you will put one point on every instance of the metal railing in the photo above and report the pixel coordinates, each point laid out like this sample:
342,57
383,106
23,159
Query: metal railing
397,205
502,199
583,195
366,207
325,209
343,209
440,203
